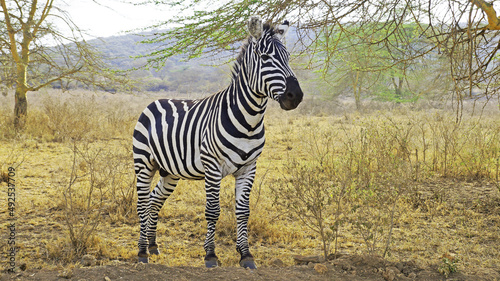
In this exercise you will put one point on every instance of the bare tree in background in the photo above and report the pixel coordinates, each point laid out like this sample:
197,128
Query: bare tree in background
35,53
465,32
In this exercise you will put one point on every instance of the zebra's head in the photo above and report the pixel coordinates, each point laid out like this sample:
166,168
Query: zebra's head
269,72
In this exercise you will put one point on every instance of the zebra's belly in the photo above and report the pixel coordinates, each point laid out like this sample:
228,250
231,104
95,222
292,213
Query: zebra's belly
185,161
190,173
184,165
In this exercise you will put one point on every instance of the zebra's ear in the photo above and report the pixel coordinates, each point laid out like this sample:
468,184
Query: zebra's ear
255,27
282,29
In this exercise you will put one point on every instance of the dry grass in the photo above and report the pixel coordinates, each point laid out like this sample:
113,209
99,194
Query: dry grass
450,204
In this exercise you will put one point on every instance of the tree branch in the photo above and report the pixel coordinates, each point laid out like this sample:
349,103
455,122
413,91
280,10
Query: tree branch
487,8
63,75
11,32
43,16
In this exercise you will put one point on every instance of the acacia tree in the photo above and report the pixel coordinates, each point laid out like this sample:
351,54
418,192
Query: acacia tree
351,62
37,54
466,32
371,69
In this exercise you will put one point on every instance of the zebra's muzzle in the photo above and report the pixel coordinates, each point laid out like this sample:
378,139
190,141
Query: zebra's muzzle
293,94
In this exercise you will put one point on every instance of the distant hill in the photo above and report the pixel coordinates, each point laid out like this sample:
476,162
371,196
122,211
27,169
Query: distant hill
196,75
200,75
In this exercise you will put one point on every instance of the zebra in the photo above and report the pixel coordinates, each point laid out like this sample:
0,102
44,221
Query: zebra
210,138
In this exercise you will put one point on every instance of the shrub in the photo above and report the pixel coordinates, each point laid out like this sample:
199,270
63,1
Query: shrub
100,184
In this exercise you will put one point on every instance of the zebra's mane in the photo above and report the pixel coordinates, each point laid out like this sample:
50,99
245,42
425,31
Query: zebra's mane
267,30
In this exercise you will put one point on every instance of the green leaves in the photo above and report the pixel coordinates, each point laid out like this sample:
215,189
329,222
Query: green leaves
197,31
372,36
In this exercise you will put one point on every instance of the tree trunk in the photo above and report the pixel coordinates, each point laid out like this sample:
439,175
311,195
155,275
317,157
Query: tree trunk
20,108
356,87
21,102
398,87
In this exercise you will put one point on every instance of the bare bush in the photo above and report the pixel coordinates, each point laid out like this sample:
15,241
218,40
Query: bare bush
307,196
83,199
380,168
100,185
356,178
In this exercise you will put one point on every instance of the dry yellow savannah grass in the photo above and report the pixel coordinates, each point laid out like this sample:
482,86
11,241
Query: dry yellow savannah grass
75,189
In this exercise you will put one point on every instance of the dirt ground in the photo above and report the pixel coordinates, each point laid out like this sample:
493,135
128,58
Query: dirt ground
351,267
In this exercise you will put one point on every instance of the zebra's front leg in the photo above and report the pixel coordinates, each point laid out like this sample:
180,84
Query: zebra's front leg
244,182
212,212
157,198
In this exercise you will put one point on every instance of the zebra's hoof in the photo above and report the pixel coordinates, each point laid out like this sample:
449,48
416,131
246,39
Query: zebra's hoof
211,263
154,250
211,260
143,259
248,262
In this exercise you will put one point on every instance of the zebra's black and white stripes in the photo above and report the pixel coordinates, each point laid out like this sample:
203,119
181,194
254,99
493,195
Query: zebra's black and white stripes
213,137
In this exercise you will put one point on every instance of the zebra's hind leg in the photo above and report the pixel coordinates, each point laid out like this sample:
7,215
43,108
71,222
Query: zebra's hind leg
157,198
144,177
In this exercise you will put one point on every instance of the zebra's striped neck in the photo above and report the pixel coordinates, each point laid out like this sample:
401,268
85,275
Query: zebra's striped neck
247,70
245,104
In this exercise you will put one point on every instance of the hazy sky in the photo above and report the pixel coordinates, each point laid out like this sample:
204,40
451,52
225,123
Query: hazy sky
113,17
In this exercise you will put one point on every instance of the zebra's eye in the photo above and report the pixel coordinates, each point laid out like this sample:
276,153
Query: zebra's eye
265,57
